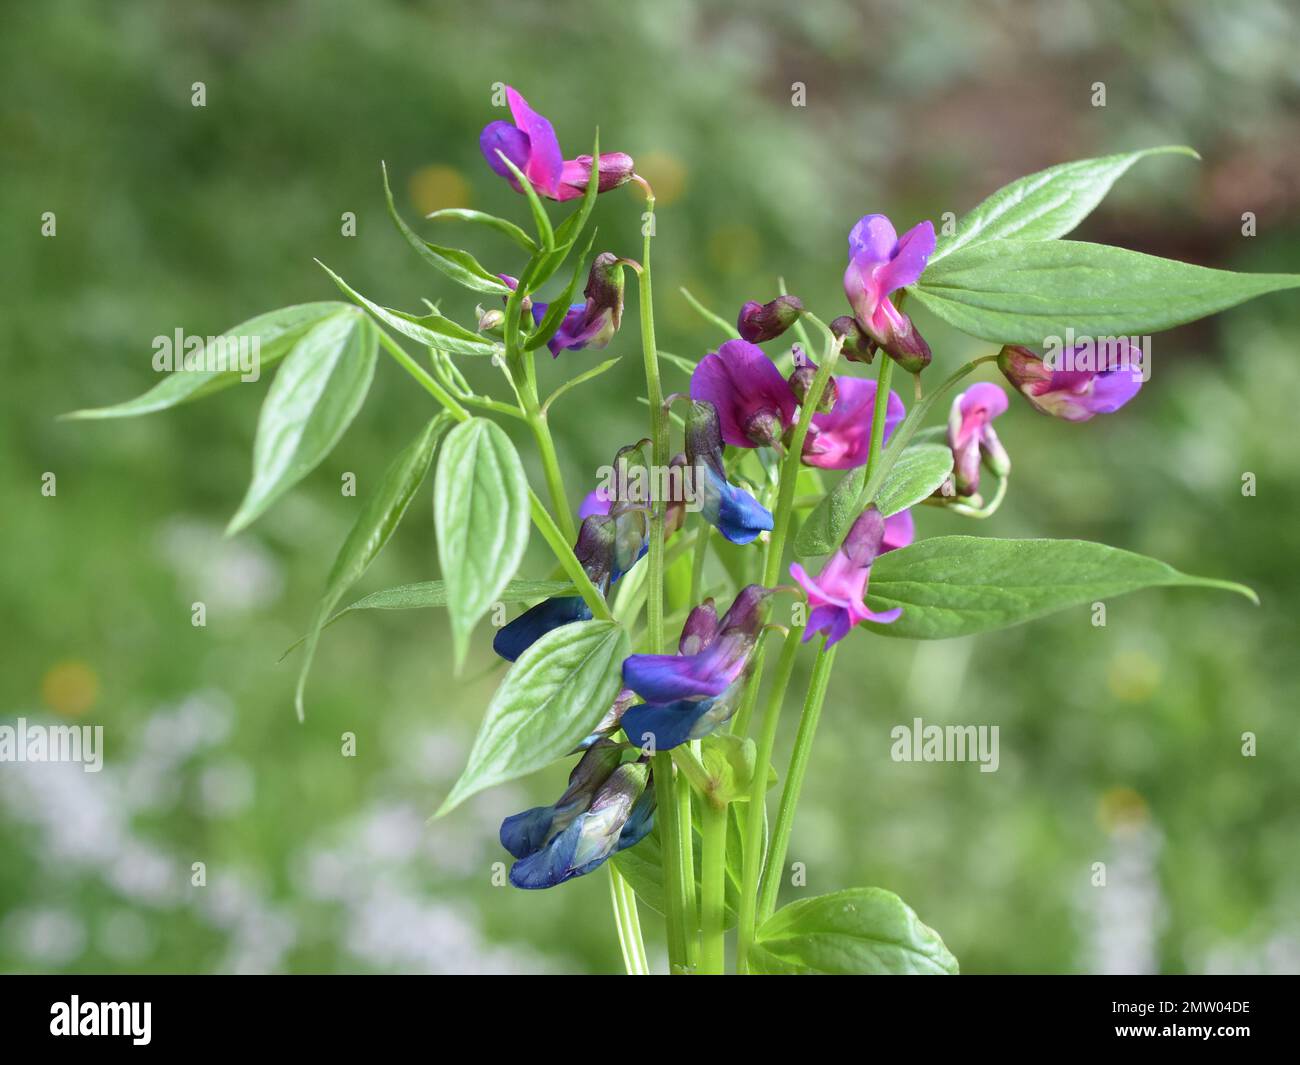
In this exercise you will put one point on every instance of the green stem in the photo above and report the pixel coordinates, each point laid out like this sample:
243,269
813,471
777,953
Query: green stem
563,552
423,377
812,708
879,413
791,463
753,852
550,465
626,920
670,848
713,878
690,906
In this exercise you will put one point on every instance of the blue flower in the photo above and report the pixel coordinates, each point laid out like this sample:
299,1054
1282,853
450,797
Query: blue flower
607,807
731,510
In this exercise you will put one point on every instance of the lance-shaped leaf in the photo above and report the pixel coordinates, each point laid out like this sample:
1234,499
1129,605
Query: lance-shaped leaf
559,307
1047,204
1022,292
861,931
458,265
481,515
544,264
430,329
425,595
960,585
552,698
376,523
488,221
275,333
917,474
315,395
824,528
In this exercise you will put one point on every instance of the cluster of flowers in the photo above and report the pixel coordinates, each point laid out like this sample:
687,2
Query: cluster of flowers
739,398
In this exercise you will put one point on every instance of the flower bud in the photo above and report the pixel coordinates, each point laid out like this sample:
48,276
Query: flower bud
491,321
615,169
801,380
1082,387
767,321
857,347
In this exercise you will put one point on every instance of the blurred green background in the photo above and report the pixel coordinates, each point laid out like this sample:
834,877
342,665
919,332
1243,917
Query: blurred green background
1119,744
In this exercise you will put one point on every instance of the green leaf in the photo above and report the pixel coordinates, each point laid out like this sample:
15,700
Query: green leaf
959,585
861,931
1047,204
481,514
432,330
491,221
582,378
313,399
544,264
458,265
426,594
374,526
1021,292
917,474
541,220
553,696
729,761
642,865
276,333
827,522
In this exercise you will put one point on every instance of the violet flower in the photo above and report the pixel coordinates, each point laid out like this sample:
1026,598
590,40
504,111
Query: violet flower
838,594
594,323
841,439
689,694
880,263
972,437
531,145
1072,393
754,403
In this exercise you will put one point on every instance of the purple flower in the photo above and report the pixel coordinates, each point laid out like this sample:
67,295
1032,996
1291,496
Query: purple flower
972,438
838,594
754,403
767,321
841,439
801,381
1088,383
689,694
531,145
880,263
594,323
900,530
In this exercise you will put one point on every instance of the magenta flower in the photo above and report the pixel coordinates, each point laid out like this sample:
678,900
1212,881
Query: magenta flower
530,143
900,531
1088,382
754,403
972,438
841,439
838,594
880,263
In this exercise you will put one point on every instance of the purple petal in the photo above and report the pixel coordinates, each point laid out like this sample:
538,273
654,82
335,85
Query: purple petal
843,437
1113,390
545,161
908,261
900,530
512,142
740,381
667,678
872,240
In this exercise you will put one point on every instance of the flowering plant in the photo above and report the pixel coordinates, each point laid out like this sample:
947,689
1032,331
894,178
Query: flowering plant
783,453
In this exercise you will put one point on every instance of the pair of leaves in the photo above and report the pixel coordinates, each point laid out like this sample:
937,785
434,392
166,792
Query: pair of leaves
961,585
861,931
552,698
372,530
1002,276
481,515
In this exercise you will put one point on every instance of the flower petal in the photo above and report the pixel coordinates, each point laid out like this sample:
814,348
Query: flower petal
908,260
545,162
